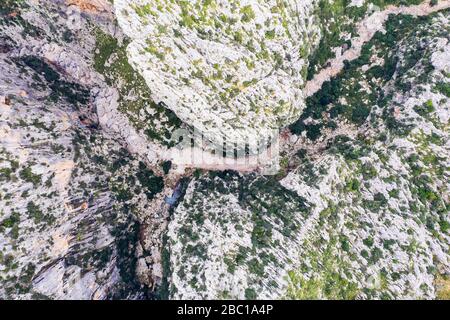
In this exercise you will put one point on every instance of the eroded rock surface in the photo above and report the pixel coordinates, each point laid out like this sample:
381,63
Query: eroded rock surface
91,207
233,69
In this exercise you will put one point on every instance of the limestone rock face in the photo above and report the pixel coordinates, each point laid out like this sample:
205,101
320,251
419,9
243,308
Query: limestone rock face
231,69
95,203
68,228
364,212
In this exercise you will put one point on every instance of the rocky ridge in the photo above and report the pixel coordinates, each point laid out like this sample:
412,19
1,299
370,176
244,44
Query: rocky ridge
90,208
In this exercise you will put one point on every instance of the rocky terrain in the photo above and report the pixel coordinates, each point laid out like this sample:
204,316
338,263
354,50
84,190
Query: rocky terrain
97,202
240,66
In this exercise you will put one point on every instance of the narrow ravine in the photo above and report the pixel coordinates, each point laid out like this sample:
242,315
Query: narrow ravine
366,29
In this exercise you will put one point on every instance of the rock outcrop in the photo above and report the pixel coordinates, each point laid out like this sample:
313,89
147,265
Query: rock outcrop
234,70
